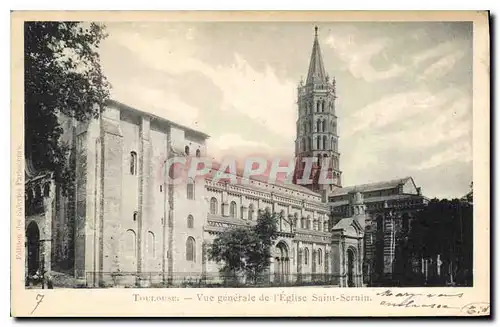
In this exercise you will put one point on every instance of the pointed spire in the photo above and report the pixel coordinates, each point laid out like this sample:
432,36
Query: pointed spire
316,72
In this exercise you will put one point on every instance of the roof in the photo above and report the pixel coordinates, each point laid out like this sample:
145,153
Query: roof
343,223
384,185
146,113
291,186
316,73
265,179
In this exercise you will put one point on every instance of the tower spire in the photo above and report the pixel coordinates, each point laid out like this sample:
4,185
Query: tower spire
316,72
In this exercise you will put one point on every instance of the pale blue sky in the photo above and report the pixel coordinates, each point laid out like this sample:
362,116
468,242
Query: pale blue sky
404,90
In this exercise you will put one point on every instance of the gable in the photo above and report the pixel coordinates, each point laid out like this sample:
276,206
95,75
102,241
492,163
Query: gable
409,187
350,226
351,231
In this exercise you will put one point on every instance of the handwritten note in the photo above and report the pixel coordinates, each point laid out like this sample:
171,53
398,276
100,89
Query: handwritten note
432,300
418,300
39,299
477,308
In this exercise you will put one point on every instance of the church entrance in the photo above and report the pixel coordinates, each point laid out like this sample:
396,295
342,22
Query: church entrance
282,263
350,268
33,248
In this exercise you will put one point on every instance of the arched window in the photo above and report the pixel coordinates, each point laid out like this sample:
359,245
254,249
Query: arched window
380,224
190,221
28,196
306,256
317,106
38,192
323,106
324,142
134,217
190,189
302,223
46,189
133,163
323,126
130,243
198,153
282,217
309,222
213,206
241,212
232,210
318,143
320,257
250,211
186,150
151,244
334,127
190,249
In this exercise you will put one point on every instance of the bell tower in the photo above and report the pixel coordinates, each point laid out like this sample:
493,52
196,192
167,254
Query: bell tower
317,123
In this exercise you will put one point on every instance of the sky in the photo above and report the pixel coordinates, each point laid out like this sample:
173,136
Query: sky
404,90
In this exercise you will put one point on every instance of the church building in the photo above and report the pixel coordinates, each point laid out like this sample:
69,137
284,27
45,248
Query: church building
127,224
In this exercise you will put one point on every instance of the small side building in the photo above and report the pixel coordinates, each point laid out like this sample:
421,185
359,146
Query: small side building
388,208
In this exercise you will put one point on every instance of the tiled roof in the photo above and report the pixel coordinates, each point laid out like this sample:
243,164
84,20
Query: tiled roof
265,179
384,185
157,115
343,223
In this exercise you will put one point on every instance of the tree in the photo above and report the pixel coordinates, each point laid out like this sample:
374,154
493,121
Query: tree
245,250
444,228
62,75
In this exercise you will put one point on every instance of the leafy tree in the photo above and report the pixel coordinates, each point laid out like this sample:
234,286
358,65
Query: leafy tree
444,228
245,249
62,75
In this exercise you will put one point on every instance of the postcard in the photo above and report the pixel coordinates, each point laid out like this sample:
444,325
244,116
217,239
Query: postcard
250,164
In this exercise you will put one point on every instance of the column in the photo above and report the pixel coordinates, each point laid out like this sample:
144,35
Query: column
360,263
343,270
111,192
243,208
299,260
274,271
224,205
327,257
46,233
144,151
273,204
204,247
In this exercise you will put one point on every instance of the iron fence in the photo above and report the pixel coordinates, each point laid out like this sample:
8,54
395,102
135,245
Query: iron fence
193,280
